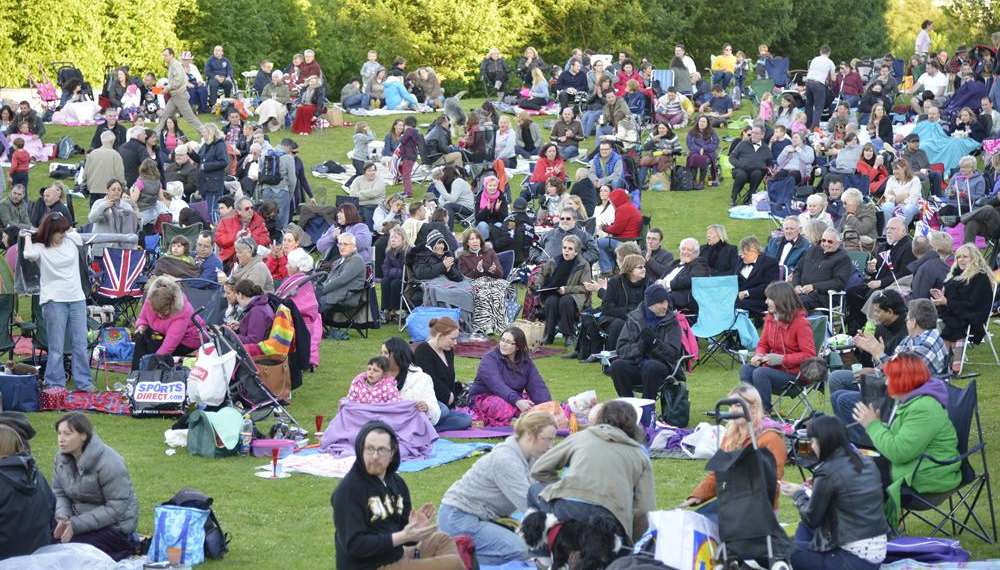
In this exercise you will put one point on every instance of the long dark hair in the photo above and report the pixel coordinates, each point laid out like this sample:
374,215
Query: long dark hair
520,343
351,216
52,223
705,134
401,354
831,435
786,303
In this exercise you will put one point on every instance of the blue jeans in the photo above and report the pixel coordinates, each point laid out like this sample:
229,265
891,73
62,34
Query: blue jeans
212,201
842,380
452,421
604,130
766,380
525,153
361,100
723,78
569,151
606,253
495,545
283,198
62,320
843,402
836,559
909,211
851,100
198,96
589,121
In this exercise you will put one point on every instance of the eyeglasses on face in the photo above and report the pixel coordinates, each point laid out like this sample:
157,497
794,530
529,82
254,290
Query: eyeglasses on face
378,451
824,240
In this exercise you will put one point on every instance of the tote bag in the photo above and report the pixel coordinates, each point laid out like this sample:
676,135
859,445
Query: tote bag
685,540
178,527
208,380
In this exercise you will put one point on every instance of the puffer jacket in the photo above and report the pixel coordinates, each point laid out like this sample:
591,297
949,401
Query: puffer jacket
663,343
792,340
95,491
28,506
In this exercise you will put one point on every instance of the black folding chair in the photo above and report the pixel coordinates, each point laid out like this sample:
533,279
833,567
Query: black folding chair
360,316
960,513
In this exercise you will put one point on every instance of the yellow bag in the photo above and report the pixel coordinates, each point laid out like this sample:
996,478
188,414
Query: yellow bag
552,407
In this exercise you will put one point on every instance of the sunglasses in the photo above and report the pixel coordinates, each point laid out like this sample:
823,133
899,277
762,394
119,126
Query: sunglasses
247,209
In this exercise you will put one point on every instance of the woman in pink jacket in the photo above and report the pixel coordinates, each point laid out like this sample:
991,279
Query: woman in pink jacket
164,326
301,291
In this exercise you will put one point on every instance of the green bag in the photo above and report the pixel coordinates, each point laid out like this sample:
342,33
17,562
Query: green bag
675,407
214,434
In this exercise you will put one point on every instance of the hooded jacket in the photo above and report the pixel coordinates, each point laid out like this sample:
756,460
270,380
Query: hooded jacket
428,265
255,324
792,340
929,272
603,466
28,506
95,491
637,343
628,219
368,510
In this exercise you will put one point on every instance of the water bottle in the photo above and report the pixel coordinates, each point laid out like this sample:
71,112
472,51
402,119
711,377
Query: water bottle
246,435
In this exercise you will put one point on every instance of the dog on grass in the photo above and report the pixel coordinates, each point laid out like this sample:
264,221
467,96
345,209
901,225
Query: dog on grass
453,109
573,544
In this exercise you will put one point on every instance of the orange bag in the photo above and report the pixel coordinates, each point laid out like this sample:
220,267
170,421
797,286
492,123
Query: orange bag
553,407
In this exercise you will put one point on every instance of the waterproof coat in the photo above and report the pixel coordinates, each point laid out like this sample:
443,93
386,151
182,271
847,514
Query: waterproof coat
95,491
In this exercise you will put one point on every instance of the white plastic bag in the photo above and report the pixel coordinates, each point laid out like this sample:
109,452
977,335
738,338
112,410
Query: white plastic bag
703,442
684,539
208,381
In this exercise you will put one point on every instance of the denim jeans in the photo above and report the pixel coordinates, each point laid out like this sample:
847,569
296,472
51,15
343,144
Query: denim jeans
908,211
361,100
843,402
766,380
452,421
842,380
212,201
606,253
569,151
283,198
64,320
838,558
589,121
723,78
495,545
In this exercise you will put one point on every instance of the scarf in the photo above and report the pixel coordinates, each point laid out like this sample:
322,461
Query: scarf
650,319
560,276
487,201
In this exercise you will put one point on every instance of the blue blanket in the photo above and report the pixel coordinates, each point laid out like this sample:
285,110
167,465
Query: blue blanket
511,566
942,148
444,451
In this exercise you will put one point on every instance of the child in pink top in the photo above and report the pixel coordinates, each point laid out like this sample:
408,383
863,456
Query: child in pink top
766,112
374,386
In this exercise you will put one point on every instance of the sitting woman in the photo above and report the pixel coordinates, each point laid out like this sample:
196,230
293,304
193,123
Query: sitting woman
374,385
846,486
348,221
505,143
702,144
625,228
872,165
720,255
965,302
495,488
369,189
902,193
660,149
815,211
249,266
396,95
491,209
859,215
392,272
551,202
436,357
178,261
538,94
967,186
164,326
254,313
507,383
434,260
414,384
599,473
549,165
967,125
477,261
300,289
95,499
310,104
26,498
785,343
604,212
623,295
737,436
562,290
919,426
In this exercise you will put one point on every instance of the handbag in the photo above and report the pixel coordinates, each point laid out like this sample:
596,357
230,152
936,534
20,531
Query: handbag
681,179
703,442
276,375
20,393
534,332
178,527
157,393
208,381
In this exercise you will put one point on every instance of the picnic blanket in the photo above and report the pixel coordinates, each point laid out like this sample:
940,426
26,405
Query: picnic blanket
496,432
478,348
312,461
415,432
552,109
942,148
384,112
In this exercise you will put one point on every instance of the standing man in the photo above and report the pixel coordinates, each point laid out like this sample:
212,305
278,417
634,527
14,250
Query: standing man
103,165
219,73
177,82
281,193
821,71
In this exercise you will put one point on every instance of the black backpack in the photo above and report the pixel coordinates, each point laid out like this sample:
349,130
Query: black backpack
675,407
270,169
216,541
682,179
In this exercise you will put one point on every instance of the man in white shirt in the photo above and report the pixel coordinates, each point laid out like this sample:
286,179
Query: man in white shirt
934,81
685,59
821,71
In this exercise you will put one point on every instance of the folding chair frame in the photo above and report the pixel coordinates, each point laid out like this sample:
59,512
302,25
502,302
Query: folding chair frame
987,338
802,392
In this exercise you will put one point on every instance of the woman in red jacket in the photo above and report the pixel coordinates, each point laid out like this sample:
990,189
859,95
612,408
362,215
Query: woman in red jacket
626,227
785,343
870,164
549,165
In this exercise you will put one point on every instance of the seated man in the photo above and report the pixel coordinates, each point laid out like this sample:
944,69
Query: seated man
197,90
607,167
889,316
678,277
648,347
493,71
788,248
25,114
750,160
755,273
920,164
718,109
550,245
723,67
825,267
110,124
892,263
219,72
571,82
376,525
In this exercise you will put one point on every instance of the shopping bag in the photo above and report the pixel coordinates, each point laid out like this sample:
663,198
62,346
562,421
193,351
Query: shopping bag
703,442
685,540
178,527
208,380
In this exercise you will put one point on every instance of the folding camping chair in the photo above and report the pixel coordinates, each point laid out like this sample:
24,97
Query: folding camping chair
170,231
960,513
119,287
987,338
802,389
780,194
8,308
359,317
717,315
835,311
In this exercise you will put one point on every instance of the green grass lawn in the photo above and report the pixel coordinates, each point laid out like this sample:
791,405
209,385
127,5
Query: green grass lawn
288,523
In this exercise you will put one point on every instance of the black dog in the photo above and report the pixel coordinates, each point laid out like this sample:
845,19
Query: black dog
574,544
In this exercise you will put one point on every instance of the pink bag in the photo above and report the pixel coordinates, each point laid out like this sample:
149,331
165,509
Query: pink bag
492,411
957,234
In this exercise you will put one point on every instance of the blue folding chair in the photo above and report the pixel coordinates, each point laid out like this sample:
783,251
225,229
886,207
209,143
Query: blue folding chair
506,262
780,193
665,77
717,315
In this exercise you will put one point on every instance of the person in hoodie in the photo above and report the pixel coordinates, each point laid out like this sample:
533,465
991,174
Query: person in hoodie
785,343
601,472
495,488
626,227
374,521
255,313
26,501
649,346
919,426
507,383
95,500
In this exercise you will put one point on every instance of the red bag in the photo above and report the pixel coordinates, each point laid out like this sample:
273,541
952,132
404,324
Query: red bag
466,551
60,399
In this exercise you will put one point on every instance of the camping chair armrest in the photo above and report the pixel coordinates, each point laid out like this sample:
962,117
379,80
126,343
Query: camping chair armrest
677,366
944,462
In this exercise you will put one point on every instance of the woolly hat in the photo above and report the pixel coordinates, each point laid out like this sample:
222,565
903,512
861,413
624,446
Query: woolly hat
656,293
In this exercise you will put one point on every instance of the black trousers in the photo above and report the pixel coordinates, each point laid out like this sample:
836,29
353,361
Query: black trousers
816,102
391,290
649,376
740,179
559,310
613,327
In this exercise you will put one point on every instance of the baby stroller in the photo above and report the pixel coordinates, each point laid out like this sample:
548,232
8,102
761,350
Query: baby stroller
746,483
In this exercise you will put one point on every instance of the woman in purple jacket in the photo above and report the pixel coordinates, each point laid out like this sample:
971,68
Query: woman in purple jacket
702,143
255,313
507,383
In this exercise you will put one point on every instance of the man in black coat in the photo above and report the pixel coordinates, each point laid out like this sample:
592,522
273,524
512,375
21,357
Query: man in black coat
658,260
755,273
648,347
750,160
893,262
133,153
825,267
688,265
110,124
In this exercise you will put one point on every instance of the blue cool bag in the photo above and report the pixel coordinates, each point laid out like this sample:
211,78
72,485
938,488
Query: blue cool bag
181,527
20,393
418,323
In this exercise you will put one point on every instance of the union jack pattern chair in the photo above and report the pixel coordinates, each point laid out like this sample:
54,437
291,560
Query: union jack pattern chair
121,282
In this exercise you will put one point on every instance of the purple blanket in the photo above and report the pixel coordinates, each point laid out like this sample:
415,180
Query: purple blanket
498,432
415,432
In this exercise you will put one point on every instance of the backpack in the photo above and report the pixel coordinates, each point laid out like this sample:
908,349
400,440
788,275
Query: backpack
681,179
675,407
216,540
270,169
67,147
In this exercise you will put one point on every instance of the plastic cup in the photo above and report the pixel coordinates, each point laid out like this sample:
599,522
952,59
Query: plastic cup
274,461
319,423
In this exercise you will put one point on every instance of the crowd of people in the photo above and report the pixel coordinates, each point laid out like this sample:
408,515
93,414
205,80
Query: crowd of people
597,272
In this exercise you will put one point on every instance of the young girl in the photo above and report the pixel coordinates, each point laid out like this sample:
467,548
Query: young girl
359,156
799,123
20,162
766,112
552,199
374,386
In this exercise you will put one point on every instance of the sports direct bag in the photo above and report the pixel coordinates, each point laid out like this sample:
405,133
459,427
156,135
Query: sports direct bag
155,393
181,528
208,381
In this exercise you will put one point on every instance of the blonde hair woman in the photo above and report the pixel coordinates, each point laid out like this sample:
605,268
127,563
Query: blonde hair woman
816,211
966,301
737,436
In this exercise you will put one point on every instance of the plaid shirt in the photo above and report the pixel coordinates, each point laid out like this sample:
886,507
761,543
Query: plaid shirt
929,346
